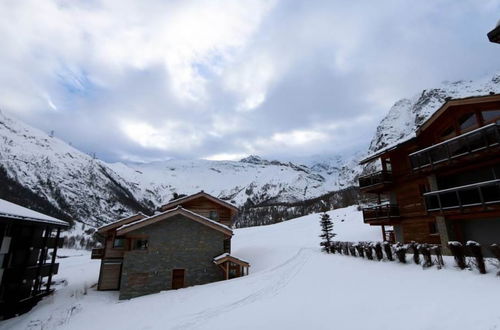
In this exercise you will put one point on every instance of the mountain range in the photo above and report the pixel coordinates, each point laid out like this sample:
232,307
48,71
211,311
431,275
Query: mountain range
43,172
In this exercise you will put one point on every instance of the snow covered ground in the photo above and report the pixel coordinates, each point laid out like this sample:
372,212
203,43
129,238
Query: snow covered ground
292,285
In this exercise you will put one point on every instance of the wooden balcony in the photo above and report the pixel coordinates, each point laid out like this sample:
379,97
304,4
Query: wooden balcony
375,182
381,214
97,254
464,198
469,144
31,272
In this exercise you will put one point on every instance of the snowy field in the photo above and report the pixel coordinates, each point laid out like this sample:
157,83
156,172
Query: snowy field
292,285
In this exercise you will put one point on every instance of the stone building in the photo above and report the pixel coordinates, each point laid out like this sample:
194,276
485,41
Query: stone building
187,243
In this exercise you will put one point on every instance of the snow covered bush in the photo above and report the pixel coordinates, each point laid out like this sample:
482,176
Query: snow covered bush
400,251
475,249
416,254
426,253
436,249
378,251
495,249
388,250
457,250
360,249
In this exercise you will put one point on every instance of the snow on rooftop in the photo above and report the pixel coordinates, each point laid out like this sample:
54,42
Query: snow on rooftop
11,210
178,208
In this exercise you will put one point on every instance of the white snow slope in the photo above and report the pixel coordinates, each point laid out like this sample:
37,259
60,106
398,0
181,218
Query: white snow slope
292,285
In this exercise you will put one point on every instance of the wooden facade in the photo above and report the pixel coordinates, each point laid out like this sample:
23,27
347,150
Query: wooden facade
129,236
494,35
28,248
436,186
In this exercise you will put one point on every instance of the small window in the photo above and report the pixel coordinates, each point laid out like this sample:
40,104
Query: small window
119,243
433,228
227,245
467,122
214,215
141,244
490,115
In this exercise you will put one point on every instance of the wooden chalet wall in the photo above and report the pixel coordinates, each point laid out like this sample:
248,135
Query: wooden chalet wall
203,206
459,124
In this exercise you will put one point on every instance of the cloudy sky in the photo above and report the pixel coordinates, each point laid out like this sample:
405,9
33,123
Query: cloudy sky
221,79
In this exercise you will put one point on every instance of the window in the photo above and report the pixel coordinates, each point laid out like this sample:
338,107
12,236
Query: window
433,228
227,245
467,122
214,215
141,244
119,243
491,115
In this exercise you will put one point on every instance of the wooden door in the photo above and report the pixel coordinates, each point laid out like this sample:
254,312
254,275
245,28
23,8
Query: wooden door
110,276
178,278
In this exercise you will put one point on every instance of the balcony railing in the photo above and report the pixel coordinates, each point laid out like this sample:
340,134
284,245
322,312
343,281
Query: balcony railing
97,254
381,212
477,194
479,139
375,179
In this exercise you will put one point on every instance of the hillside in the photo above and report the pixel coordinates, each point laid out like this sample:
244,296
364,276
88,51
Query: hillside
292,285
407,114
47,174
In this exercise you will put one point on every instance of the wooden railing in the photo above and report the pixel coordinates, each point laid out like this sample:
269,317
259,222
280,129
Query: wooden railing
477,140
477,194
31,272
97,253
374,179
381,212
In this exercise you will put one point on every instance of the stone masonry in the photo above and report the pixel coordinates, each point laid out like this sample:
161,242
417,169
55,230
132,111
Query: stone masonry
174,243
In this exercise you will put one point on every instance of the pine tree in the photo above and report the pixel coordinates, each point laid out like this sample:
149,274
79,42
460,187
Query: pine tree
326,232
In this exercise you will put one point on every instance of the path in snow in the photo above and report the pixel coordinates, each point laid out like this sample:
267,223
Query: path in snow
292,285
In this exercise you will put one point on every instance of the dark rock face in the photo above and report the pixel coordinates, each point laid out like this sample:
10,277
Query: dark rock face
174,243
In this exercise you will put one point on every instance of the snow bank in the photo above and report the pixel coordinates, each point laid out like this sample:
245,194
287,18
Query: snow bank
292,285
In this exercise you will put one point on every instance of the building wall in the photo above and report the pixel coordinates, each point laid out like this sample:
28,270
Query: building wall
175,243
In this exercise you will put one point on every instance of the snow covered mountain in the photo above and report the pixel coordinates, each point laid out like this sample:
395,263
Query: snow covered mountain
408,114
93,192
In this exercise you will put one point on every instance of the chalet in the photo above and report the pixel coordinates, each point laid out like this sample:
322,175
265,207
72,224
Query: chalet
28,247
187,243
443,183
494,35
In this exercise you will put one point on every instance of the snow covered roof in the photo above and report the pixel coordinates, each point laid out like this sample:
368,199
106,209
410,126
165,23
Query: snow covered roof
379,152
227,257
197,195
121,221
170,213
17,212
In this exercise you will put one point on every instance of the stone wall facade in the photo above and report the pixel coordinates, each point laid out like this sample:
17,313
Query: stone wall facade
174,243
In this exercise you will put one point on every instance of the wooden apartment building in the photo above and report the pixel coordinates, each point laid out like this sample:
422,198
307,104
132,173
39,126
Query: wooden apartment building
187,243
28,248
444,183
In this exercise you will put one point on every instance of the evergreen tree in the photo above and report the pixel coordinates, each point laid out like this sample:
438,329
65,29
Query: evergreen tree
326,232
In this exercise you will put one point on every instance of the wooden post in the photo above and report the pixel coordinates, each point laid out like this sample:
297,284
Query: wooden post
227,270
54,253
383,233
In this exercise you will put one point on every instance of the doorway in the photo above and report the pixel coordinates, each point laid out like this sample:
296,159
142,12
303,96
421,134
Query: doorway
178,277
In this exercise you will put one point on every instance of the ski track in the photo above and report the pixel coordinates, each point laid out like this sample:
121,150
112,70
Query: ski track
278,278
